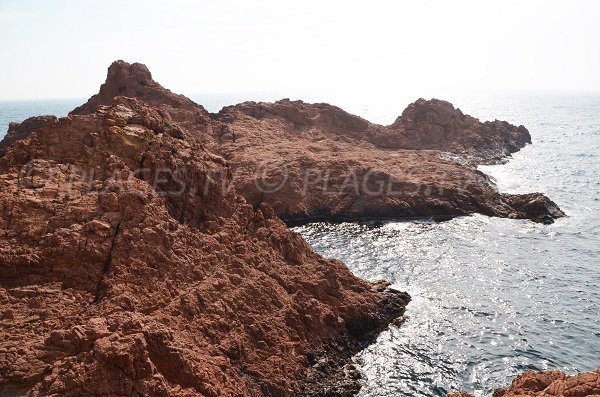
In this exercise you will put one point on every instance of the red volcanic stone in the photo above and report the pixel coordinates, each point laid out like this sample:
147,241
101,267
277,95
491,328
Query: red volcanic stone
124,269
142,250
549,384
18,131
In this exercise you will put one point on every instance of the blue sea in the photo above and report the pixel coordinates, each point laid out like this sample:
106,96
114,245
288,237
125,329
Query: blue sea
491,297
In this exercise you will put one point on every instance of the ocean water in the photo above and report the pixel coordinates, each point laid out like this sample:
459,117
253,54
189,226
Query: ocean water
18,111
491,297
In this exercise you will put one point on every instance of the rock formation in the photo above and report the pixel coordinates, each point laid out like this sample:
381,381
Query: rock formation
18,131
325,166
549,384
141,252
135,81
126,270
437,125
317,162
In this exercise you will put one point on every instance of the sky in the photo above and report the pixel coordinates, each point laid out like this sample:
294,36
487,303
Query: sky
61,49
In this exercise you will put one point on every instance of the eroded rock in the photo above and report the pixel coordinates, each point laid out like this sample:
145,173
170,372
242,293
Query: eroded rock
124,270
549,384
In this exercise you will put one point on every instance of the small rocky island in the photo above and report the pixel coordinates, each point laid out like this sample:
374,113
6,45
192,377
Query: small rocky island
143,247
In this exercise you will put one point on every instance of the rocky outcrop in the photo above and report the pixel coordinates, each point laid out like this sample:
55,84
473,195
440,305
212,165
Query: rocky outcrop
18,131
437,125
303,115
549,384
126,268
317,162
424,125
134,81
141,252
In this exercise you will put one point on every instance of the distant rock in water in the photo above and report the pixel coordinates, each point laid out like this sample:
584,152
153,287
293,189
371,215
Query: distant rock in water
549,384
437,125
425,124
314,162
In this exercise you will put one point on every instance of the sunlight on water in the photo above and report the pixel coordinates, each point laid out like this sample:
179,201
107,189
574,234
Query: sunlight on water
491,297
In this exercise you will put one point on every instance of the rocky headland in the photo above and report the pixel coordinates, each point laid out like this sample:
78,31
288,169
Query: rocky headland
142,250
314,162
125,270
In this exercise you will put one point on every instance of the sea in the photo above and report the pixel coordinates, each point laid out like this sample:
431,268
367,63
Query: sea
491,298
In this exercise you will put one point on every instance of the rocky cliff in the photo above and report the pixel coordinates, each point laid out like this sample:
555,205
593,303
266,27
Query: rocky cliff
125,269
141,252
317,162
549,384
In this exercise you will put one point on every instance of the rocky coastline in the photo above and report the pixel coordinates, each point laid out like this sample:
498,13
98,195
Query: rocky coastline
117,282
143,249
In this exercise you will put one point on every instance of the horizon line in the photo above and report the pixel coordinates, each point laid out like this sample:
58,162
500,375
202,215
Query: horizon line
291,95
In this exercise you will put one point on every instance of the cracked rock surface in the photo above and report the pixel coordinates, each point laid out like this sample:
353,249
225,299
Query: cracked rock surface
118,278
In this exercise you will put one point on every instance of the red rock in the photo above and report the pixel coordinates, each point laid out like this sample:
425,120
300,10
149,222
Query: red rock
317,162
134,81
549,384
114,281
18,131
129,264
437,125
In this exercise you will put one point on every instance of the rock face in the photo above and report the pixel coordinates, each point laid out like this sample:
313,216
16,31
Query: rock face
549,384
437,125
18,131
141,251
125,269
424,125
134,81
317,162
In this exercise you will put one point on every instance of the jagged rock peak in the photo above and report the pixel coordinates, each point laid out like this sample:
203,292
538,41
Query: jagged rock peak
135,81
437,124
123,72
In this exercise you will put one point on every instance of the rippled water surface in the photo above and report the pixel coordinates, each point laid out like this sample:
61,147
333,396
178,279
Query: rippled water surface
491,297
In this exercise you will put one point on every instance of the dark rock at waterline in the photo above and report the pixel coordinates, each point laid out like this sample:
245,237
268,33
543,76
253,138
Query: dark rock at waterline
114,282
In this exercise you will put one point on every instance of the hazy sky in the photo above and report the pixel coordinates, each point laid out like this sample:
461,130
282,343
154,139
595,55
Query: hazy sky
61,49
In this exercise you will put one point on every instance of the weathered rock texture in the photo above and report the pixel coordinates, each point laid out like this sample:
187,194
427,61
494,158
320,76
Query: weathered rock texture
129,265
549,384
317,162
18,131
126,270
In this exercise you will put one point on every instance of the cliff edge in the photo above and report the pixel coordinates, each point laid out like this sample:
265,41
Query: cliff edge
125,269
314,162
